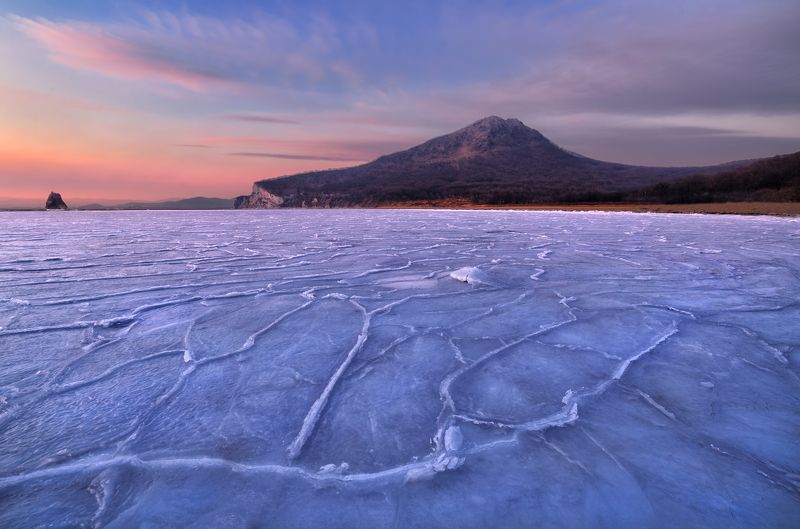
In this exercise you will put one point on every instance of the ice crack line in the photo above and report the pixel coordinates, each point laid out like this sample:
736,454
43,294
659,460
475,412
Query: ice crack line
251,340
97,464
312,417
317,408
444,388
569,412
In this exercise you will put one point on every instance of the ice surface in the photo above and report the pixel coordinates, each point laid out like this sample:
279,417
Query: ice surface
376,369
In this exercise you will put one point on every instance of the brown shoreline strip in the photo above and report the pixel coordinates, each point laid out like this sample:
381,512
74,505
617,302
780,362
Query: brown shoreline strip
729,208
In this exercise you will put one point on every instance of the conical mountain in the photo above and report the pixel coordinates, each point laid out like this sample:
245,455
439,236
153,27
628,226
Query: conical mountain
492,136
491,160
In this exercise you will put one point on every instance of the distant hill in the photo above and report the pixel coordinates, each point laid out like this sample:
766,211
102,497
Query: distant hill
775,179
186,203
492,161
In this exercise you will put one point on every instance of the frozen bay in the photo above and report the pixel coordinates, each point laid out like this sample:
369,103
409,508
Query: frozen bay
346,368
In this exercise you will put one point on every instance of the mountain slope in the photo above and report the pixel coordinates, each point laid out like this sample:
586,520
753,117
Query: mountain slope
492,160
775,179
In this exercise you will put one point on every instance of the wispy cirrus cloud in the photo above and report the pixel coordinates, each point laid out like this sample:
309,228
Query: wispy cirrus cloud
309,157
314,148
260,118
116,52
196,52
642,57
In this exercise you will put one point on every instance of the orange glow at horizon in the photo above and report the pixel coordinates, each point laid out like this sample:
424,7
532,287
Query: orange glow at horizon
80,148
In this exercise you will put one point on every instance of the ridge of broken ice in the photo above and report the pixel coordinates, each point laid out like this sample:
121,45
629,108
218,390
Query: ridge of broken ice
471,275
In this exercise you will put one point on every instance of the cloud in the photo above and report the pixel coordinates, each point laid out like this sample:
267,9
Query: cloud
644,142
645,58
309,157
599,77
196,52
117,53
310,148
260,118
617,55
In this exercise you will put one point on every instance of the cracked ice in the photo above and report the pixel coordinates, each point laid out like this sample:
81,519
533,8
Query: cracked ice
372,369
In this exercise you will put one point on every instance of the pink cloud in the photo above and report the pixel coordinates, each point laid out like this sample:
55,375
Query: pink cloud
196,53
354,149
88,47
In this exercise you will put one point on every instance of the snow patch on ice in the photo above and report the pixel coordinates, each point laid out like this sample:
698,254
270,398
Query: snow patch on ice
122,321
471,275
334,469
453,439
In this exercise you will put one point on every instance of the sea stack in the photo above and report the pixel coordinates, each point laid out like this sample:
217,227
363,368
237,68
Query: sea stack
54,201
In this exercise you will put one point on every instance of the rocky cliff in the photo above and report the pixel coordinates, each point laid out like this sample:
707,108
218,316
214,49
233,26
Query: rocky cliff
259,198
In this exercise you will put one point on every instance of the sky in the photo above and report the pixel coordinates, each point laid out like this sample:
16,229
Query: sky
116,100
